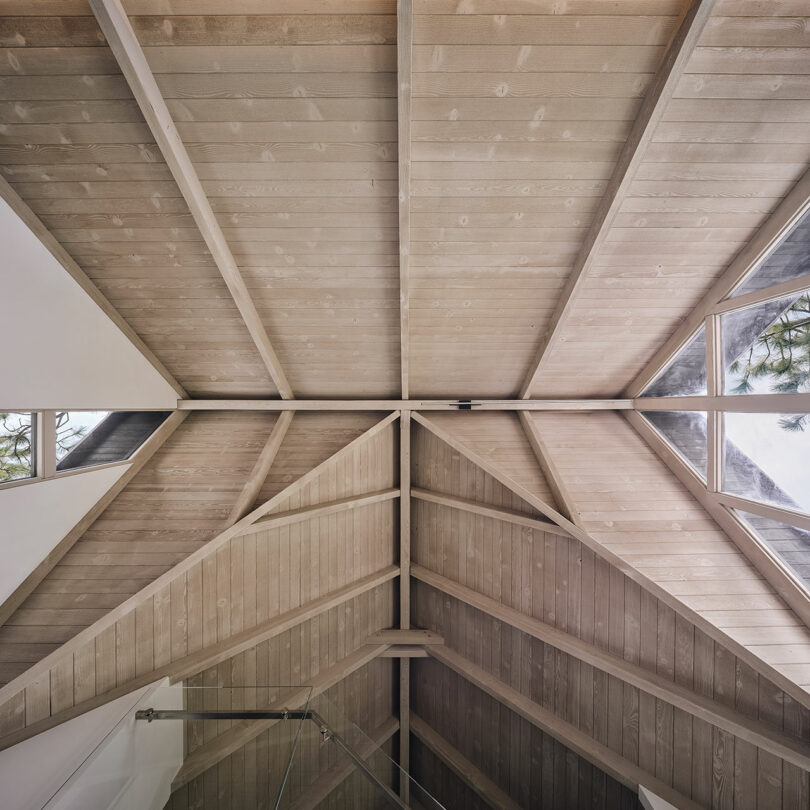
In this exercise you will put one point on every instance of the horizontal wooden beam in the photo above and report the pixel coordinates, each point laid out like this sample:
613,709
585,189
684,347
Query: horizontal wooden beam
403,405
495,512
241,733
123,42
599,755
319,510
471,775
653,684
396,636
314,794
741,403
405,651
139,459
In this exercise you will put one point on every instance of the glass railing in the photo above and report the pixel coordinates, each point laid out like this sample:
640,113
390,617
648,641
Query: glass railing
274,747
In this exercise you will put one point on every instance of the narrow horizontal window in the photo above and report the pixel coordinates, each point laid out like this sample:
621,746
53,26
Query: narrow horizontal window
113,437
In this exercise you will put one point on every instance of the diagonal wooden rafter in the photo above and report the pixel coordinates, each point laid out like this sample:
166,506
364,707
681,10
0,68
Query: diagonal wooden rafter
496,512
786,684
139,460
553,478
40,670
114,23
599,755
319,790
652,109
37,227
243,732
404,67
698,705
769,235
472,776
250,491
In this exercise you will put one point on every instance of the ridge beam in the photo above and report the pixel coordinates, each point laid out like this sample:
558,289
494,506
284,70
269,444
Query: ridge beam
114,23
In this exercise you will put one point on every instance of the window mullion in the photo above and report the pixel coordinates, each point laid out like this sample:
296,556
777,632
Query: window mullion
45,444
714,418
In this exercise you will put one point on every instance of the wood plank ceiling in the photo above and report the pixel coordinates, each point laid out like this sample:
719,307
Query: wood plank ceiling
599,630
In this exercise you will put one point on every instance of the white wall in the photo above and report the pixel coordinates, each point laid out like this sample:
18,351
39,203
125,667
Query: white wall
64,353
38,515
100,760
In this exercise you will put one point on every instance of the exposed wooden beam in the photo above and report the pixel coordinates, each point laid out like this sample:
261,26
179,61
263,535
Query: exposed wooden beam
247,639
779,576
713,631
37,670
143,454
653,684
471,775
401,405
405,634
37,227
652,109
750,403
405,651
599,755
404,62
496,512
191,664
247,497
320,789
243,732
770,234
127,50
320,510
405,518
559,490
394,636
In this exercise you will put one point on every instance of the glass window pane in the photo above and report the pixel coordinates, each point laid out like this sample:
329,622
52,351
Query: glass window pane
789,260
766,347
72,427
686,432
16,445
789,543
766,458
108,437
686,374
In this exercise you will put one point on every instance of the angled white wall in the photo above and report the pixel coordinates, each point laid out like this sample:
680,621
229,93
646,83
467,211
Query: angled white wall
61,351
38,515
100,760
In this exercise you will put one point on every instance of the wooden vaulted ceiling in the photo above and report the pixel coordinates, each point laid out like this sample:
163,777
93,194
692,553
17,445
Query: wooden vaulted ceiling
453,198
